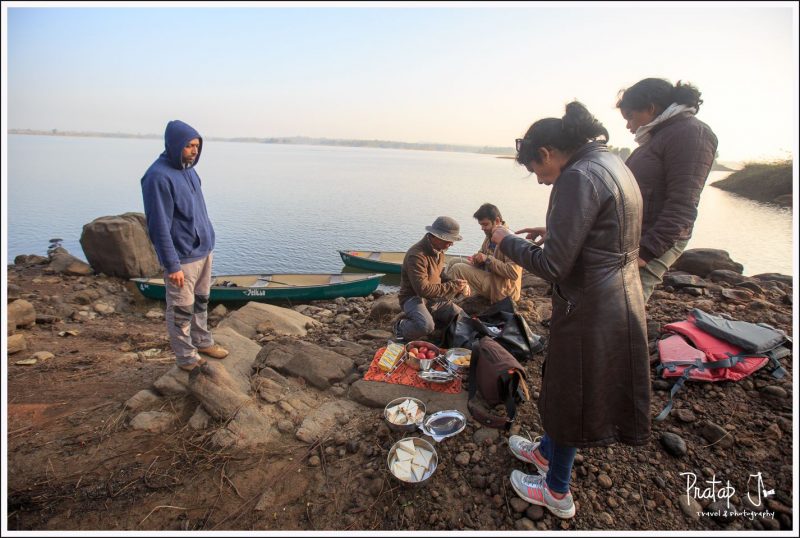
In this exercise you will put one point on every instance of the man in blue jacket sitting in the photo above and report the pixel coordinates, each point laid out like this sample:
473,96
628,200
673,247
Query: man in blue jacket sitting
183,237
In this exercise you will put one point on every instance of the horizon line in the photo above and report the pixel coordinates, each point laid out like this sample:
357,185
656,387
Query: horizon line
465,148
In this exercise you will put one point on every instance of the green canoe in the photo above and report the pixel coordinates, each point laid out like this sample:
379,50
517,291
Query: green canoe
276,287
383,261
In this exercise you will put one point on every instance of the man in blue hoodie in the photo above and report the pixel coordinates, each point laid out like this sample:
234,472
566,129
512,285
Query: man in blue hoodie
183,237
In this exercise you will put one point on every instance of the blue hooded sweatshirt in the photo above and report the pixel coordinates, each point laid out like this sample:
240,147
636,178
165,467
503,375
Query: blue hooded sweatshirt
177,219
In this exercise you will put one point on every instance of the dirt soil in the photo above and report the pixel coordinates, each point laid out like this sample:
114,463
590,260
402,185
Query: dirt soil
75,464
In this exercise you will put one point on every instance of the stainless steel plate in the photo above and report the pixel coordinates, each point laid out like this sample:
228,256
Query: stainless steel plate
443,424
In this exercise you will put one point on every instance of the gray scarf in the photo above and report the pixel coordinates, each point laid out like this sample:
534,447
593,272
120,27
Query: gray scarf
642,136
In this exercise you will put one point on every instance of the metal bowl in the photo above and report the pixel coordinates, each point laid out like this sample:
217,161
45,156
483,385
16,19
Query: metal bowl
454,353
418,442
403,427
414,362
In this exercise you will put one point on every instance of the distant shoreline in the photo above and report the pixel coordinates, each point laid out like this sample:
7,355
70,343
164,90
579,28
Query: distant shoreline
293,140
499,152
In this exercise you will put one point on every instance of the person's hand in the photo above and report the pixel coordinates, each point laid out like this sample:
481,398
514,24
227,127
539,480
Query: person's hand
499,233
536,235
464,288
177,278
478,258
642,263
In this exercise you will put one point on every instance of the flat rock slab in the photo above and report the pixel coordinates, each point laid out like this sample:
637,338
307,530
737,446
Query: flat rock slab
238,363
251,427
377,394
153,421
246,424
283,321
62,261
319,366
352,350
322,422
140,400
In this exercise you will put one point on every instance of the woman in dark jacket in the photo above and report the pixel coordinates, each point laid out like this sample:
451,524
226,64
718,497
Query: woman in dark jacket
671,165
596,378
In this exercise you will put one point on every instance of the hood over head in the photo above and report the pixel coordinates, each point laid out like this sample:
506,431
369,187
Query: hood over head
176,136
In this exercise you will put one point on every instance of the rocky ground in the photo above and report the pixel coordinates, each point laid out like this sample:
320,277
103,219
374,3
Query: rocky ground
105,434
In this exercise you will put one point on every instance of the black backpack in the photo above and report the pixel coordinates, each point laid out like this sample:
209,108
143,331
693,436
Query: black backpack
500,322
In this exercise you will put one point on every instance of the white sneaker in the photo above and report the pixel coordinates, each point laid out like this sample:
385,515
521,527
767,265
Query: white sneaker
533,488
524,450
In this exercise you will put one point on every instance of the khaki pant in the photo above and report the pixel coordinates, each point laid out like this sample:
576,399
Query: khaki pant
479,280
652,273
187,311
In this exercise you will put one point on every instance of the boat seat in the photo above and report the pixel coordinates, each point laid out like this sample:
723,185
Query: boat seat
337,279
374,256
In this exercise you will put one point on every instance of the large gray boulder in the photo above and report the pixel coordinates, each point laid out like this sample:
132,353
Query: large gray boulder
702,261
120,246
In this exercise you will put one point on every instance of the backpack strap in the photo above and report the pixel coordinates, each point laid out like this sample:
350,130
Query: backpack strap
473,371
675,388
673,365
776,369
731,361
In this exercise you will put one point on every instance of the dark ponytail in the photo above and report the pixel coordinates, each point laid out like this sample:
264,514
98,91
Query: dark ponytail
567,134
660,93
686,94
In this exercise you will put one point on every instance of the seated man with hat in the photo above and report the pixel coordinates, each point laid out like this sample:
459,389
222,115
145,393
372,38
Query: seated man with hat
425,296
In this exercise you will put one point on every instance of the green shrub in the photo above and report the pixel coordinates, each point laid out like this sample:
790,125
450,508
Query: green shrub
760,181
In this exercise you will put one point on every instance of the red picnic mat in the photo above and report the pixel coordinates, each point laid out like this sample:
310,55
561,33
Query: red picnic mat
406,375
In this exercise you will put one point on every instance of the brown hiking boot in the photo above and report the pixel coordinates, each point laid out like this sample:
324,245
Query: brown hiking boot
189,367
216,351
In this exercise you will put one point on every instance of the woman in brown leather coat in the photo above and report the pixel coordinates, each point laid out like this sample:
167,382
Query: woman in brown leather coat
671,165
596,377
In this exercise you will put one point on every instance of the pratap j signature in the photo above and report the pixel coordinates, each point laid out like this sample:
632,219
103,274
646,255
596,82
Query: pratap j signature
715,491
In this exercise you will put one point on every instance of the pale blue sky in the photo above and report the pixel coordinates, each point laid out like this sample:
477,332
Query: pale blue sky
455,73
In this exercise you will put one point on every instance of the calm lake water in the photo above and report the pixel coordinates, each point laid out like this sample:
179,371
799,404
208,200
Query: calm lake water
284,208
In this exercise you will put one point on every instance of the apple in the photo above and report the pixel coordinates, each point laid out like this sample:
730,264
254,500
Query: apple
431,354
414,350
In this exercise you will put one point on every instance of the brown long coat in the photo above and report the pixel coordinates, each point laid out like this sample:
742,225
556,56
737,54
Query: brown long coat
596,378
